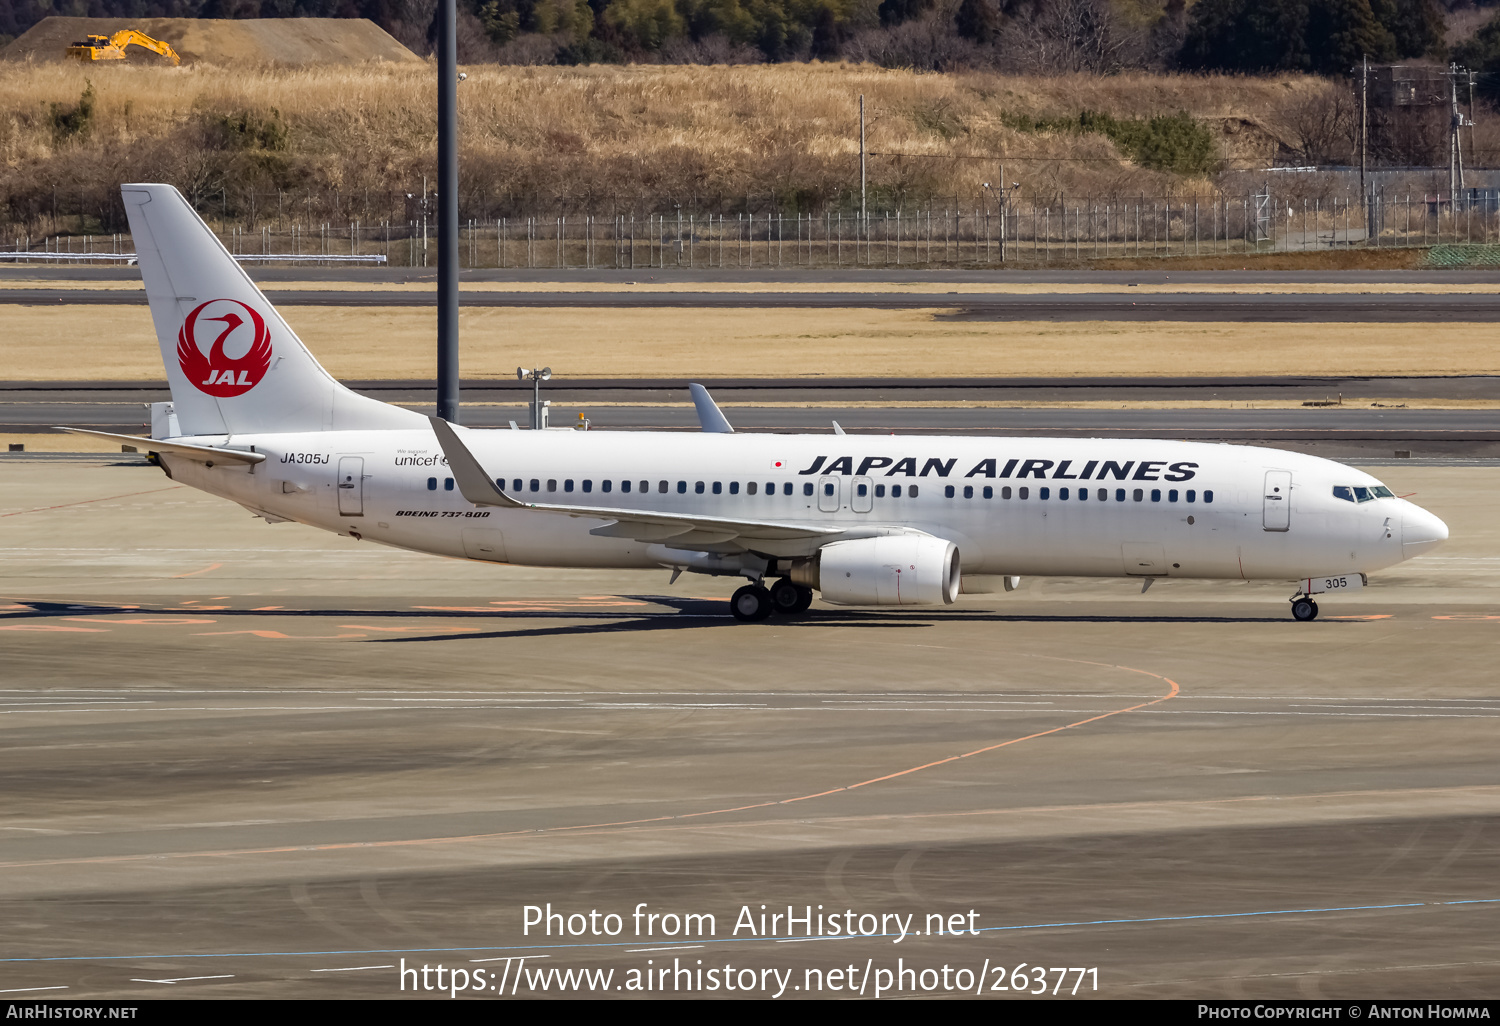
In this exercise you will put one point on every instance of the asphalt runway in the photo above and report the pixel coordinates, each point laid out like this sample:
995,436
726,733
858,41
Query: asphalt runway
1302,308
244,760
1363,427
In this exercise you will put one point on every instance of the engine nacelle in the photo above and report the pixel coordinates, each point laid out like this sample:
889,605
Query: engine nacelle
890,570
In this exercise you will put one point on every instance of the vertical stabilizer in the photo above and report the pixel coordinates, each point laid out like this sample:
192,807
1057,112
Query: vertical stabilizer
233,364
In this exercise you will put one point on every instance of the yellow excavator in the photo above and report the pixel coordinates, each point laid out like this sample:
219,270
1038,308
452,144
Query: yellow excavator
112,48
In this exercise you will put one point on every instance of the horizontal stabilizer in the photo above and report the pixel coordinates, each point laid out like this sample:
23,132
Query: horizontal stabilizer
198,453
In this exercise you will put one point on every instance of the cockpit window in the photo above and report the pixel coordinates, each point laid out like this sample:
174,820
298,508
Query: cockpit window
1359,493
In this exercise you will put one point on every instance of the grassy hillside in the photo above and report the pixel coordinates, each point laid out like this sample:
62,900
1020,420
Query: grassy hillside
343,143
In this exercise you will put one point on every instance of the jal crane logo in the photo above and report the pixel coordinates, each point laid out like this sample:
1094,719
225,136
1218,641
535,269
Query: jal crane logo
243,331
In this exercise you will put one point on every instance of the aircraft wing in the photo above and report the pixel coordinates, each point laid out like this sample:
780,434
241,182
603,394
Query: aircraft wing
641,525
198,453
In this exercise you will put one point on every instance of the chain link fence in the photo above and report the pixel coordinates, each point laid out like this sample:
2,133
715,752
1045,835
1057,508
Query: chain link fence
1017,232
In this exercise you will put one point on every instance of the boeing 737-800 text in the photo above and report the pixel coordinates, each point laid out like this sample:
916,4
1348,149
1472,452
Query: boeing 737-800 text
865,520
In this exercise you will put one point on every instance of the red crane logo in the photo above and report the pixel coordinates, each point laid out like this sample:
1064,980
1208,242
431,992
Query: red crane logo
216,372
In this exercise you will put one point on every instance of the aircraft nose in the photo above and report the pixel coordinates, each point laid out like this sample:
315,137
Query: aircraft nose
1420,532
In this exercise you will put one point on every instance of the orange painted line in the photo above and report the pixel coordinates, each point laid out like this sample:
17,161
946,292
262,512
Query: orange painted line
85,502
1173,692
195,573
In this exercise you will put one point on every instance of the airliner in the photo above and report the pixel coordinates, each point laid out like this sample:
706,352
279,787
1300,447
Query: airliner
863,520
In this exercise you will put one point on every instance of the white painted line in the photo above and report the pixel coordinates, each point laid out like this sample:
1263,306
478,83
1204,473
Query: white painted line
688,947
184,979
351,969
507,958
804,940
28,990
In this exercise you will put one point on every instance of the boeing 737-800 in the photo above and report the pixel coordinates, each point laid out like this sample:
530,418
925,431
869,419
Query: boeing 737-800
865,520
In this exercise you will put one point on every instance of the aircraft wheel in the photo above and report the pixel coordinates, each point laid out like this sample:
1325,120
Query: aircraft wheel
750,603
1304,609
788,598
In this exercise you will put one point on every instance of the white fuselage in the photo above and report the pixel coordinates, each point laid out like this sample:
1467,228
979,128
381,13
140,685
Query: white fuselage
1152,508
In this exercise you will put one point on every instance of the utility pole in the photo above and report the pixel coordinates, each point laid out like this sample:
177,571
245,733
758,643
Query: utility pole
862,159
1455,153
447,189
1364,139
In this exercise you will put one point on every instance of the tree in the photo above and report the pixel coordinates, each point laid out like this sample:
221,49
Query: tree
1323,36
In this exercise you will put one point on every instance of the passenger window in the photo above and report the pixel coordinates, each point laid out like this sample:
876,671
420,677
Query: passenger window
697,488
1104,495
718,487
447,484
1172,495
787,488
968,491
895,491
605,486
948,491
588,485
568,485
536,485
551,484
806,489
1042,493
1022,492
911,491
625,486
750,487
879,491
1208,495
517,483
1119,495
1062,493
1156,495
734,488
681,487
989,493
1005,492
646,486
432,484
828,488
862,490
1138,494
661,486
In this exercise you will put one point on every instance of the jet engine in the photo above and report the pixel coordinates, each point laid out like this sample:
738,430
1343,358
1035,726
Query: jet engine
890,570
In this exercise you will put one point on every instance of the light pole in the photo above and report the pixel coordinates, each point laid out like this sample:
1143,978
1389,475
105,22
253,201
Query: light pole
447,189
538,408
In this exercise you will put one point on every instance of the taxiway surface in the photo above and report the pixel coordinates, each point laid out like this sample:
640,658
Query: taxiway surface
245,760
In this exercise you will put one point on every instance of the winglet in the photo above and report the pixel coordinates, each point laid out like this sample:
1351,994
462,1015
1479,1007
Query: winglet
473,482
710,417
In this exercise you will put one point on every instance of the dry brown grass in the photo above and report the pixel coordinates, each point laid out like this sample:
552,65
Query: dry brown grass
604,137
387,342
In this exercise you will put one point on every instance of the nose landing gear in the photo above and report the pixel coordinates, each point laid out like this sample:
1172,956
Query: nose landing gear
1304,608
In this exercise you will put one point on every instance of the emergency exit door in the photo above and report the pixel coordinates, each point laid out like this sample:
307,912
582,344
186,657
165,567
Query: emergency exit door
1277,510
351,486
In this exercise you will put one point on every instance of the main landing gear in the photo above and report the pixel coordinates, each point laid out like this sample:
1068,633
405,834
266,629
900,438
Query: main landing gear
1304,608
755,602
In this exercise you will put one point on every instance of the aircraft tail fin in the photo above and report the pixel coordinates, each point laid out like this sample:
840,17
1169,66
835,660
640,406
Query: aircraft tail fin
233,364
